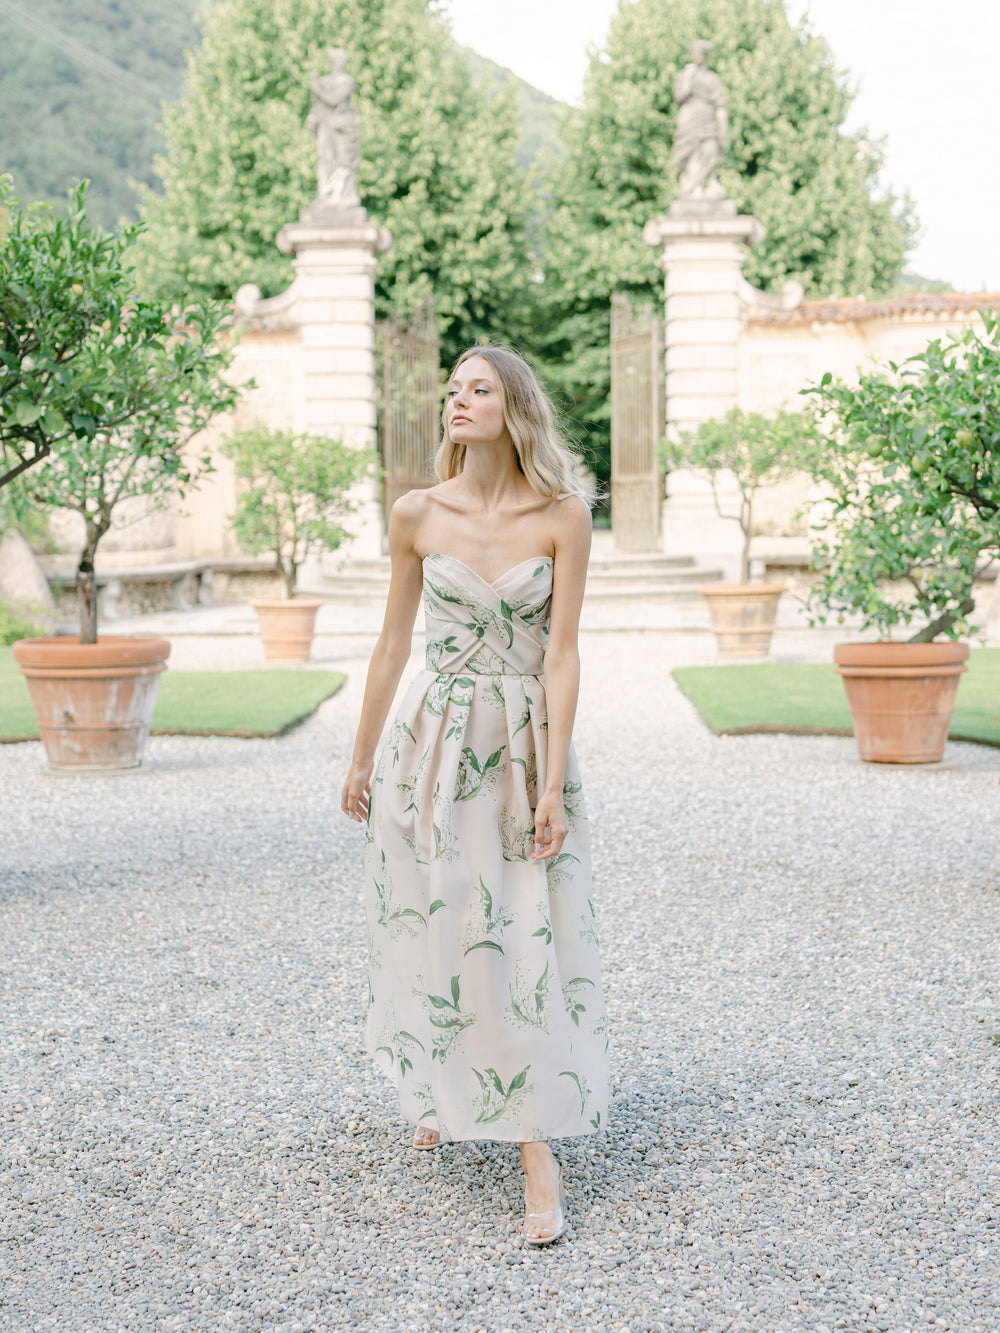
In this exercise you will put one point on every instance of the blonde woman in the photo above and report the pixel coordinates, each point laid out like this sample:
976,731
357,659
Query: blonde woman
486,1006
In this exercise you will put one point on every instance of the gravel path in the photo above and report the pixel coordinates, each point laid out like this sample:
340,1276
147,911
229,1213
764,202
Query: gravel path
802,967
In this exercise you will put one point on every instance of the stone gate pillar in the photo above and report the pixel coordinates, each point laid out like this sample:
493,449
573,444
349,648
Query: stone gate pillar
702,246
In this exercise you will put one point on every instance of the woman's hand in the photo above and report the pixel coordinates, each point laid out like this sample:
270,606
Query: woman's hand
355,797
551,827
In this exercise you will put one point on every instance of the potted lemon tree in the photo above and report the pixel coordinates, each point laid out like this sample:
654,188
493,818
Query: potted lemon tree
912,470
756,451
100,390
294,493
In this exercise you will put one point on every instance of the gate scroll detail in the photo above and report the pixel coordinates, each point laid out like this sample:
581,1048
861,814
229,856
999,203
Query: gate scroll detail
636,425
409,403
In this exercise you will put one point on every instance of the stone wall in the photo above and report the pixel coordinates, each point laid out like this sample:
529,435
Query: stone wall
778,353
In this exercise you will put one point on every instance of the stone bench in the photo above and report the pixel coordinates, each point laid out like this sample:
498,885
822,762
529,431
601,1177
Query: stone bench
176,585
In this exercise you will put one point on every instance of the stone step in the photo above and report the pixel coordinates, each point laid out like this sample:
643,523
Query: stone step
637,564
364,583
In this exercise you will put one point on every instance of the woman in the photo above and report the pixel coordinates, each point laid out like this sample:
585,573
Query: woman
485,1006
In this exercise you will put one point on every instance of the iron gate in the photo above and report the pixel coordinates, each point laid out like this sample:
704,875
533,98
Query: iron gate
636,425
409,402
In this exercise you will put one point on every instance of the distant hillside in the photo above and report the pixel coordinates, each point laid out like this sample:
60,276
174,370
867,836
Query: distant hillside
539,111
82,82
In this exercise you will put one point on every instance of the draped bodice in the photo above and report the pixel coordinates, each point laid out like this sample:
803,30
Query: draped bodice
486,629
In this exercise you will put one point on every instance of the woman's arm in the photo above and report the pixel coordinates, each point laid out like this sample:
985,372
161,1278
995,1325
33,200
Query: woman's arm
562,668
391,653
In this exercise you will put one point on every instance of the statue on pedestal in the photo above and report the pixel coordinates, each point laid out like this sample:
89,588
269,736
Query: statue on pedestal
337,127
702,135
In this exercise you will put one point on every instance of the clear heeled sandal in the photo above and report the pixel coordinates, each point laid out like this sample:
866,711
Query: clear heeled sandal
552,1220
425,1138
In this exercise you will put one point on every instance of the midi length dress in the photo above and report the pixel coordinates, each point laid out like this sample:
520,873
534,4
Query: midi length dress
485,1000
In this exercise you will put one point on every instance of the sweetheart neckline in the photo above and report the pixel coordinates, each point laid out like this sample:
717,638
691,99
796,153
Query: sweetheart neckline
490,583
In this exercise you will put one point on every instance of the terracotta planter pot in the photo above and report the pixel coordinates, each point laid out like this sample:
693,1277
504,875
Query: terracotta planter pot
93,701
901,696
286,626
743,616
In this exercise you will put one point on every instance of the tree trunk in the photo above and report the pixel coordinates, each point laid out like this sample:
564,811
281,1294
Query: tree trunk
86,588
86,582
945,622
746,523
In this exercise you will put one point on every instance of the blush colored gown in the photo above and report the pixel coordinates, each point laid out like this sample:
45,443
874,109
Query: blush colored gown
485,1005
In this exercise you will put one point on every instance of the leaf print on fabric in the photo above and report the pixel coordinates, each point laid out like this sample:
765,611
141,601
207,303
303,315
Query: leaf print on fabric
524,717
589,932
486,926
477,774
411,786
494,695
530,767
573,802
482,618
544,932
461,702
398,1045
400,731
601,1030
439,651
374,954
582,1087
516,838
496,1098
571,993
485,662
531,612
444,1012
557,868
396,920
529,1005
445,843
425,1096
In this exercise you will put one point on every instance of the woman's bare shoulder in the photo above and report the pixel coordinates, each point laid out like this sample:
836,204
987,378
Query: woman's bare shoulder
571,515
414,505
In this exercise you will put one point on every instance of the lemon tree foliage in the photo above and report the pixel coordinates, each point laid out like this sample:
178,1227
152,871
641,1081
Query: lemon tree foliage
439,162
108,387
913,471
790,164
756,450
295,493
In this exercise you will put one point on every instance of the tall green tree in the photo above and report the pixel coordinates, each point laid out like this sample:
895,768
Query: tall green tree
439,161
790,164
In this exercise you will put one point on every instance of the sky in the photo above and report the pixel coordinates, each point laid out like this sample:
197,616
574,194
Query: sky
925,76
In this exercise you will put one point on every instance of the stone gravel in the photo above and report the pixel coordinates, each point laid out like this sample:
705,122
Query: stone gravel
802,969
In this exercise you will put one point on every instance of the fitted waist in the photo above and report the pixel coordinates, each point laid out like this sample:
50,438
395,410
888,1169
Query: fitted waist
467,670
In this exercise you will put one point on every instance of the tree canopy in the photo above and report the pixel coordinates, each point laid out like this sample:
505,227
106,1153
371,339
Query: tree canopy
439,161
790,164
101,386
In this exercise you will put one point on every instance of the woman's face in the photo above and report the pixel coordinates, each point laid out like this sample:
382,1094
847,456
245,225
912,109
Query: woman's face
473,409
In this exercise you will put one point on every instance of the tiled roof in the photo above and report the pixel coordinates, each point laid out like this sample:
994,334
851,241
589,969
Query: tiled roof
852,309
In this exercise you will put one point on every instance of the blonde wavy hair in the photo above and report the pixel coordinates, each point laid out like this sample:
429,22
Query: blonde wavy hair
550,466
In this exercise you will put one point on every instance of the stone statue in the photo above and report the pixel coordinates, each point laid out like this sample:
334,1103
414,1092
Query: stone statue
337,127
702,135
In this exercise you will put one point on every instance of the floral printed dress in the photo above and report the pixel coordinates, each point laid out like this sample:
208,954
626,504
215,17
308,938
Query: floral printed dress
485,1005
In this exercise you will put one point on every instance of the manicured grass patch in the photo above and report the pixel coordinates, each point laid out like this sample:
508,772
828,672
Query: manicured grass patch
239,703
810,698
196,703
